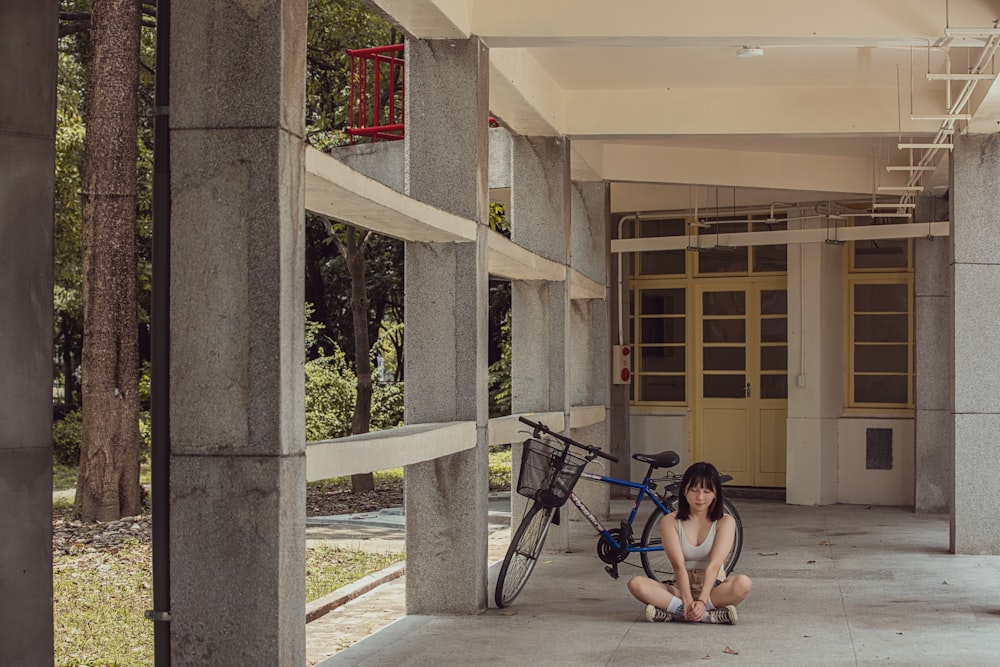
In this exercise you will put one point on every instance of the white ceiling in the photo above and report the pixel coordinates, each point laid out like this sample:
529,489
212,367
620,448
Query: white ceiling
654,97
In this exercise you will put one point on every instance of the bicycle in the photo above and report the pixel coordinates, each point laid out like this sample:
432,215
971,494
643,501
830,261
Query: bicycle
548,474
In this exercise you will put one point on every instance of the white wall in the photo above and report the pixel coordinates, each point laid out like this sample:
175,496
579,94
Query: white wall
653,432
856,484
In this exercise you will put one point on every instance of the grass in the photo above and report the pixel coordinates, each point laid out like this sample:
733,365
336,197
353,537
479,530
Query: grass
329,568
99,597
98,602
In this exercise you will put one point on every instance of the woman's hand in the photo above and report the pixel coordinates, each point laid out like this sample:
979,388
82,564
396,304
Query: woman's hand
694,610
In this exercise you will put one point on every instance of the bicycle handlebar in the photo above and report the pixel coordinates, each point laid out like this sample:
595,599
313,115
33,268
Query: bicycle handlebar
542,428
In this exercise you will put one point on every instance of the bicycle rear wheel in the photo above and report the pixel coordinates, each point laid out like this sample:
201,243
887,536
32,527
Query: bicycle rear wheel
522,553
657,565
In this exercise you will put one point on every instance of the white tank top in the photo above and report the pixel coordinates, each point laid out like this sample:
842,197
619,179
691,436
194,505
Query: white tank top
696,557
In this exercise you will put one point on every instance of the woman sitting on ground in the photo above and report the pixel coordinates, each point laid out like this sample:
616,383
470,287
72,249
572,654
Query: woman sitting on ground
697,538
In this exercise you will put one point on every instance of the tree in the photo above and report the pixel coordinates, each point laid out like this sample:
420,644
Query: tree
108,481
335,26
352,246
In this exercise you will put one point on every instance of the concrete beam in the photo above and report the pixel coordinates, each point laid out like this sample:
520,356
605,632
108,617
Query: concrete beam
816,235
392,448
337,191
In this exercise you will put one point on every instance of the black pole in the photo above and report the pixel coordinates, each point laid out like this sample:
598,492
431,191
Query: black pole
160,315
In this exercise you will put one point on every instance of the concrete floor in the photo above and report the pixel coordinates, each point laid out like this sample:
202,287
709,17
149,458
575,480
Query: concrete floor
834,585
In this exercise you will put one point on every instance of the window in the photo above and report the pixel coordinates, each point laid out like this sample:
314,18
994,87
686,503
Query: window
661,262
880,324
661,356
715,257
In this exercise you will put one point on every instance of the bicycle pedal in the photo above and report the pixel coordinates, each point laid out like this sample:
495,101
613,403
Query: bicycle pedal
612,570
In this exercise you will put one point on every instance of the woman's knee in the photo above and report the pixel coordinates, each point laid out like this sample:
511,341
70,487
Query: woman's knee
742,585
636,584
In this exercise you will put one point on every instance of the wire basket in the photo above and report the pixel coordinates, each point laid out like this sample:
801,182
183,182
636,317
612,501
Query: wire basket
548,474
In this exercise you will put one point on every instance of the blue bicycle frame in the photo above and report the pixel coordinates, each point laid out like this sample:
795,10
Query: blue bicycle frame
643,491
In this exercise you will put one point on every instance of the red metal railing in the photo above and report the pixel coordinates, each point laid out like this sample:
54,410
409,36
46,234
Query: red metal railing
376,93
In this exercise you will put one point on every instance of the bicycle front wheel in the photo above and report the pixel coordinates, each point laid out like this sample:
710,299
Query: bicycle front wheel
657,565
523,553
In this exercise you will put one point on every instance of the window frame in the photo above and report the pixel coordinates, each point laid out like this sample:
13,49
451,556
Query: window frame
880,277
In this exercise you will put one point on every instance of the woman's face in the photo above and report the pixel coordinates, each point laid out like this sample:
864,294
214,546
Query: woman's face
700,497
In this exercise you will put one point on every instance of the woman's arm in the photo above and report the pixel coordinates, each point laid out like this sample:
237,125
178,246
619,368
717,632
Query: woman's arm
725,535
672,547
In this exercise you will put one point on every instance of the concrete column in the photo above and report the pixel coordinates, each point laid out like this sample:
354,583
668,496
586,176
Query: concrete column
446,301
589,374
975,215
237,476
933,427
540,333
27,175
815,324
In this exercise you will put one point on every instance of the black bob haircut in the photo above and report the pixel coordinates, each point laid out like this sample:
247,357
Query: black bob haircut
705,475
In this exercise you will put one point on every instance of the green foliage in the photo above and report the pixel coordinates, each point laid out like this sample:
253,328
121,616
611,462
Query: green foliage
67,433
387,406
498,219
331,390
335,26
63,477
500,468
499,372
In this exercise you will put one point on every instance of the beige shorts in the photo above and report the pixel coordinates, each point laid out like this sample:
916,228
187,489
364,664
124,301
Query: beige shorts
697,580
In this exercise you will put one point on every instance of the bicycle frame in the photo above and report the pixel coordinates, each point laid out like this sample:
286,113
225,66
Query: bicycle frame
643,491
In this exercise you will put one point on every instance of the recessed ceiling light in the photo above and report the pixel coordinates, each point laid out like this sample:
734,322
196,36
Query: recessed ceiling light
749,52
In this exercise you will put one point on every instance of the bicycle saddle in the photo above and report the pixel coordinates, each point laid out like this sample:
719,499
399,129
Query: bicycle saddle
667,459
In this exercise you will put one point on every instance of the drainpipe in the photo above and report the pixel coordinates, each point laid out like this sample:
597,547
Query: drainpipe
160,315
621,314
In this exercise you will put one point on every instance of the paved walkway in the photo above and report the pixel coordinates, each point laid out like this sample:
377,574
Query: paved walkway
835,585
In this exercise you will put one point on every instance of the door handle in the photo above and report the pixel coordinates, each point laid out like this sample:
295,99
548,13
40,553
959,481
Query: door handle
747,391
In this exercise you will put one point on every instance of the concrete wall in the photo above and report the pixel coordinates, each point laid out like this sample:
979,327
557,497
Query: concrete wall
653,432
815,370
446,165
975,201
27,174
934,435
859,485
237,467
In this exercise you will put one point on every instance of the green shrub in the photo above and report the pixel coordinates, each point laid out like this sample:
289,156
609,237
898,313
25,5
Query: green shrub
331,390
67,434
387,406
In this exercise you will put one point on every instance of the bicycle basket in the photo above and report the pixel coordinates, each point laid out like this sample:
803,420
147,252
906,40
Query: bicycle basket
547,474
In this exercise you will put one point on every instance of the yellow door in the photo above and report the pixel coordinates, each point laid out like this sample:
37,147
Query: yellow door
741,385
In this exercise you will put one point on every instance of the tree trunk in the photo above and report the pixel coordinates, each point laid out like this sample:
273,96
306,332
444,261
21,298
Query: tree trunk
361,419
108,482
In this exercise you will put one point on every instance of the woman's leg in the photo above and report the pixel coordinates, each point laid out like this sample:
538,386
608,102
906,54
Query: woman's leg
652,592
732,591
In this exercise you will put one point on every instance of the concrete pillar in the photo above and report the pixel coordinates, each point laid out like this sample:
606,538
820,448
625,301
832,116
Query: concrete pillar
237,475
975,215
27,174
540,329
589,374
933,427
446,302
815,325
